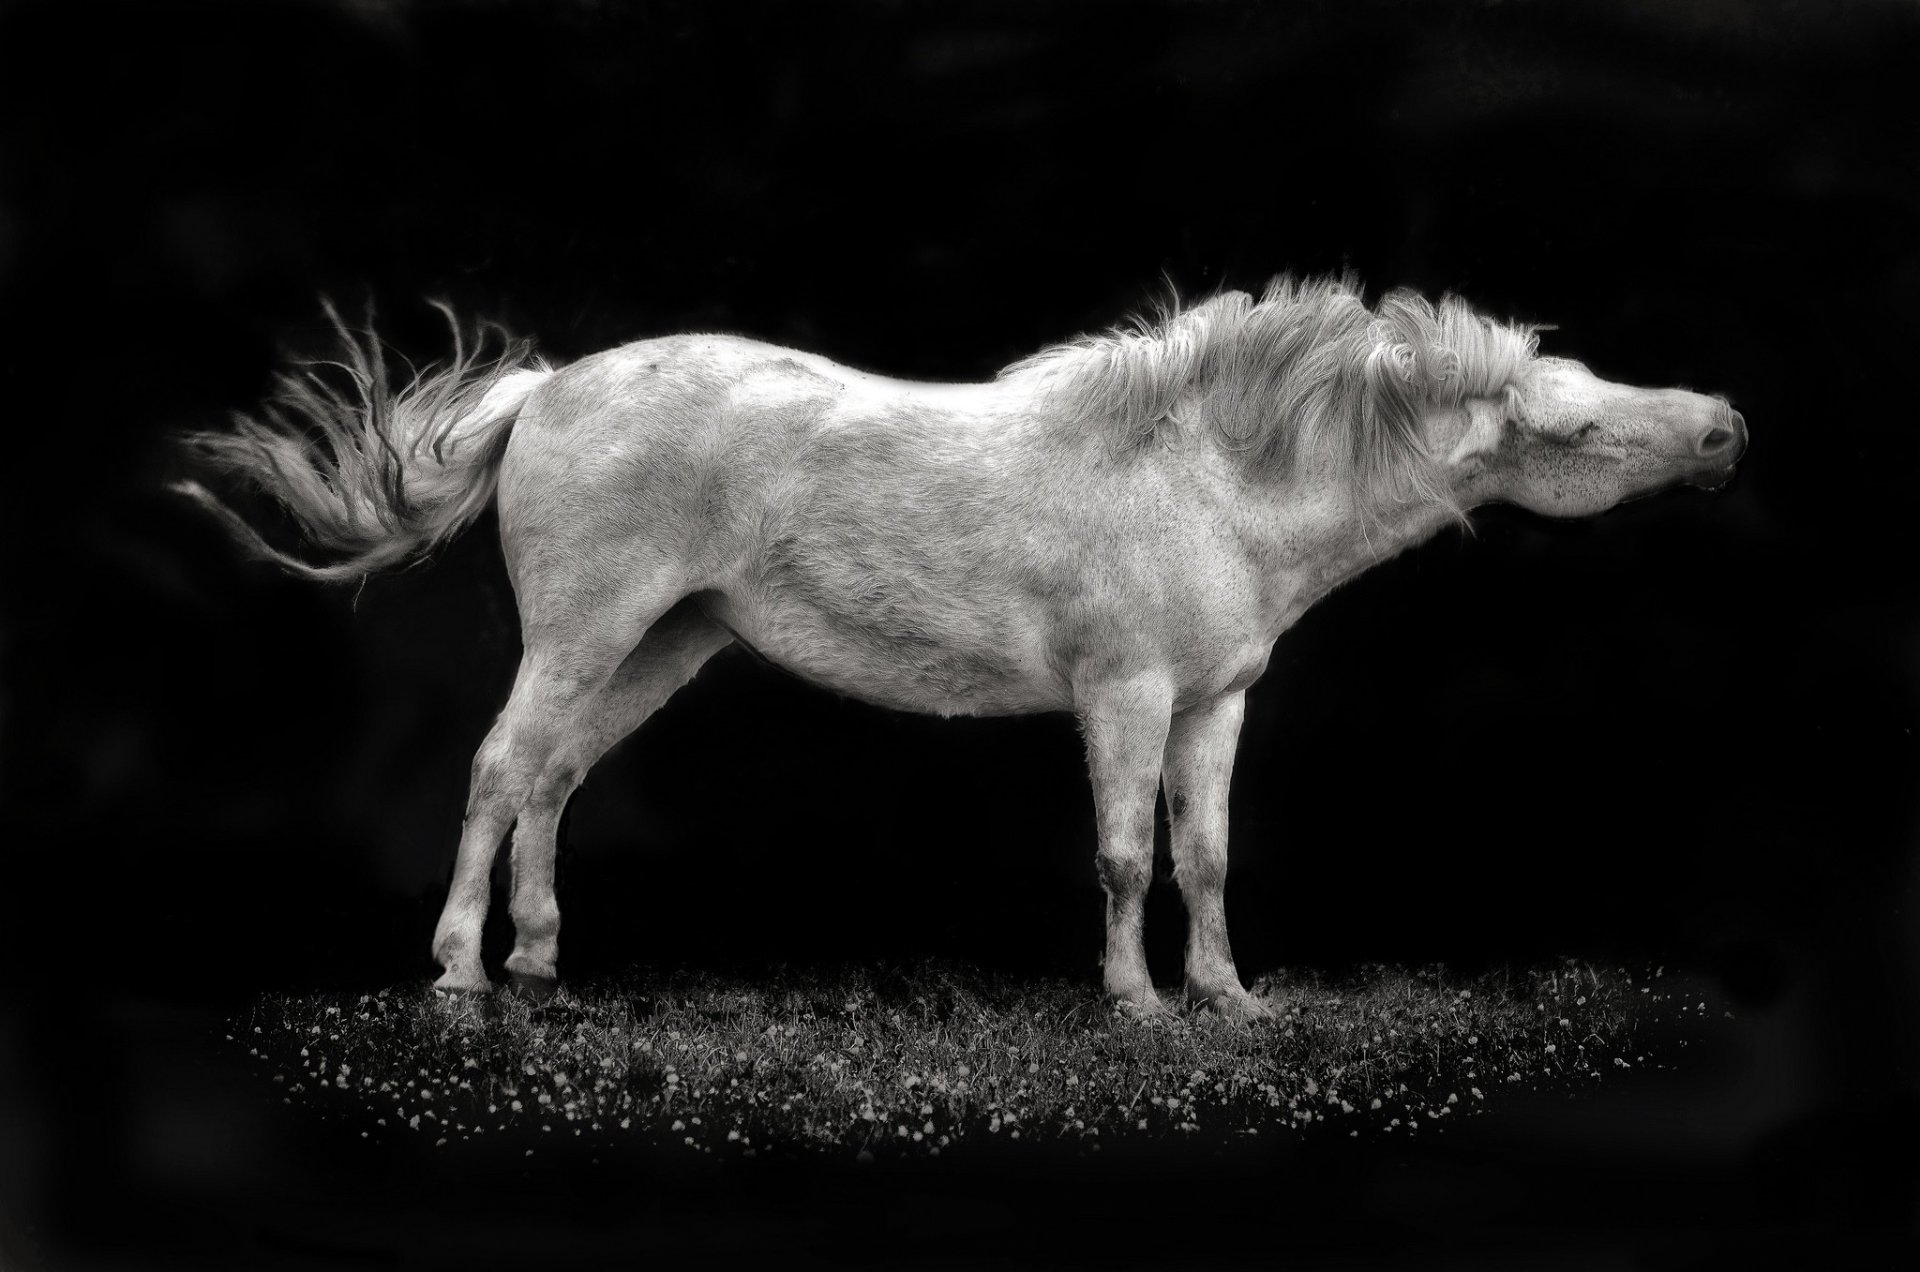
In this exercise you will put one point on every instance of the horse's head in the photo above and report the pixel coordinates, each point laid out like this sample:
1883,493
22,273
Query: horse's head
1570,444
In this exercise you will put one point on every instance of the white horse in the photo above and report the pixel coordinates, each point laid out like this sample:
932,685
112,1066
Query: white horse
1119,526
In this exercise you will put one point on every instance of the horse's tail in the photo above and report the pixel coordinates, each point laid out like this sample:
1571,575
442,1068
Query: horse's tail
374,475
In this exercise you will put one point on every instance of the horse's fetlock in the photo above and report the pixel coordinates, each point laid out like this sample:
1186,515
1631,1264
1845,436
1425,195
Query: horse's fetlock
451,943
533,919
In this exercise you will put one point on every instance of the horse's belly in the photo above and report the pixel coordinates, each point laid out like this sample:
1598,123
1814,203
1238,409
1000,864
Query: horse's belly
909,666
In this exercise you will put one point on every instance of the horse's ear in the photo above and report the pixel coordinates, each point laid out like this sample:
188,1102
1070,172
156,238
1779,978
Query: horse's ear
1486,422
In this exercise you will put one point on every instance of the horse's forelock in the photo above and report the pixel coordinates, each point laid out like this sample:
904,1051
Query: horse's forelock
1309,359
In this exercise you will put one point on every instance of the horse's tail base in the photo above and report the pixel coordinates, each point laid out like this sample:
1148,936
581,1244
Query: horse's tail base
373,476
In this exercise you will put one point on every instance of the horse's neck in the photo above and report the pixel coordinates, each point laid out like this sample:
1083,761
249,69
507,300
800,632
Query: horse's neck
1359,533
1313,532
1376,529
1349,532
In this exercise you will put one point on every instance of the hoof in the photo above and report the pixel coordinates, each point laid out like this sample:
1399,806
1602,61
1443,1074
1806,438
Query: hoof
533,988
1233,1004
1143,1005
464,986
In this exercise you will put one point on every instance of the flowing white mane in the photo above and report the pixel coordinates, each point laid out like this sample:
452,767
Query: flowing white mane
1308,361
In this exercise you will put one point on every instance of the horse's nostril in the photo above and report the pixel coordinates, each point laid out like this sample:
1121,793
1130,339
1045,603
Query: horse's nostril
1715,440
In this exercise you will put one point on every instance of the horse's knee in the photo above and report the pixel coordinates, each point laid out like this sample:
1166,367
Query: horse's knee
1200,867
1123,874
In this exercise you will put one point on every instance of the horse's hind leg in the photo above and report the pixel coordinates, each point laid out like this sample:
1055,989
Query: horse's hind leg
1197,771
490,808
666,658
565,666
548,693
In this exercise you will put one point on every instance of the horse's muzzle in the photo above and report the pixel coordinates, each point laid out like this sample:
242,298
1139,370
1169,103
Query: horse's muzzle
1711,481
1719,448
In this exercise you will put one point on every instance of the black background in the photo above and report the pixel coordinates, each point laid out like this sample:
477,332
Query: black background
1680,733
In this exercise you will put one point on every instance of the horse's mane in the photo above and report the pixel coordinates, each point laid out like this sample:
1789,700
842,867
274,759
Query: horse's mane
1308,361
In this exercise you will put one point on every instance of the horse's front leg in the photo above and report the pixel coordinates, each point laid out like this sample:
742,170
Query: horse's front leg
1125,723
1198,770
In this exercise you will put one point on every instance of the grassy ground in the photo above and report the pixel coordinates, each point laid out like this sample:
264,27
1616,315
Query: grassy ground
927,1059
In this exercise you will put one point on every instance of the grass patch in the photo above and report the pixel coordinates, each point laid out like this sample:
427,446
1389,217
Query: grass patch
930,1058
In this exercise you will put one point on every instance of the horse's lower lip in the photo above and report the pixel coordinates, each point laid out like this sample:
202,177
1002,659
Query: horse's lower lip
1713,481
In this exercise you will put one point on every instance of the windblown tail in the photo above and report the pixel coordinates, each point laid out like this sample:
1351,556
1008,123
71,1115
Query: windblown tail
378,476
